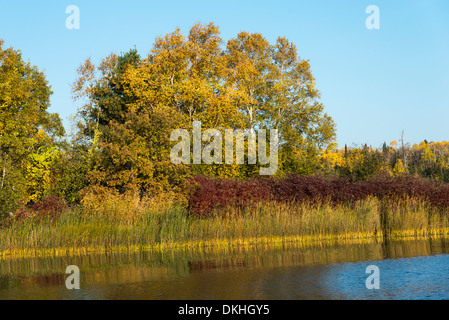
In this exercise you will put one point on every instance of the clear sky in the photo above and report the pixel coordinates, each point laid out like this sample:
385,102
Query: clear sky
374,83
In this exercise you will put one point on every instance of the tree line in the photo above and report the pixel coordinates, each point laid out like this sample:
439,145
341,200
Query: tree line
425,159
130,104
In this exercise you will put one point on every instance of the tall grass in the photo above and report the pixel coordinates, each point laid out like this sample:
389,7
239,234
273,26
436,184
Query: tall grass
124,223
154,264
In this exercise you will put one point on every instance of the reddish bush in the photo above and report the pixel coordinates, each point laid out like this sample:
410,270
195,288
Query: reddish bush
440,197
210,194
51,206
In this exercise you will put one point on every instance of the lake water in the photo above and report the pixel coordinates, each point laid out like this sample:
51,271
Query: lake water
417,269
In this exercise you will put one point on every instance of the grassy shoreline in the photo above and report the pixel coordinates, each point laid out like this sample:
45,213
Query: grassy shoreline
130,225
303,241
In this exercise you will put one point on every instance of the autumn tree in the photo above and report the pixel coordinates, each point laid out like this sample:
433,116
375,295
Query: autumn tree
26,129
132,104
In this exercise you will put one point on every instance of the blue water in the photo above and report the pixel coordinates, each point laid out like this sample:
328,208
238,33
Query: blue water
407,270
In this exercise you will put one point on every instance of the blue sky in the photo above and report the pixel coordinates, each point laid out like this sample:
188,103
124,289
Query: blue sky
374,83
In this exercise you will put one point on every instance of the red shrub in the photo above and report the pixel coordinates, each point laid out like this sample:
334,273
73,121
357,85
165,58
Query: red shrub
210,194
51,206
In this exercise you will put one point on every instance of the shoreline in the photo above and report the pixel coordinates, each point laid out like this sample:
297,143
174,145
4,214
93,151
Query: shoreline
223,244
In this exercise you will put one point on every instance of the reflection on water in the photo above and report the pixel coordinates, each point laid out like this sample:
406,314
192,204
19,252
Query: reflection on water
408,270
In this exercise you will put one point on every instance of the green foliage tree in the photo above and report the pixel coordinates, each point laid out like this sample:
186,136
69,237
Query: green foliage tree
25,127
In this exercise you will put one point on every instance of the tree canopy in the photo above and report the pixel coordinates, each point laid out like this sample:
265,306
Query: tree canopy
133,103
26,130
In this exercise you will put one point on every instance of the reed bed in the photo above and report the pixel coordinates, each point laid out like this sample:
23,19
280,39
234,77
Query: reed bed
125,223
182,262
